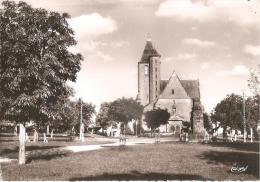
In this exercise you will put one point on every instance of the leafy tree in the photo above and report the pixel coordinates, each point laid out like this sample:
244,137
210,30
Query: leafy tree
88,110
254,85
252,114
124,110
229,112
103,119
67,114
156,118
207,121
35,61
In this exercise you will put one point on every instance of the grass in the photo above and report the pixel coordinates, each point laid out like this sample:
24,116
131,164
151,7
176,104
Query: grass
165,161
9,145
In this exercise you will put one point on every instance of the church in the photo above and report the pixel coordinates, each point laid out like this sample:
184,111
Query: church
180,97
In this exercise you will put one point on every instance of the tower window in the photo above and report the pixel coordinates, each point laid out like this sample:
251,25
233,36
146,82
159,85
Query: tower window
172,91
146,70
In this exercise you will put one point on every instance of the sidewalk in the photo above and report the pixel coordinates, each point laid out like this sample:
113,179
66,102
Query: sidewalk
129,142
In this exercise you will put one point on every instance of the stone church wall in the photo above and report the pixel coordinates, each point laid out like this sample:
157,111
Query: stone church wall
183,107
143,83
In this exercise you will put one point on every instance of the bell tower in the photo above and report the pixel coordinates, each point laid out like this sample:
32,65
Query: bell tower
149,74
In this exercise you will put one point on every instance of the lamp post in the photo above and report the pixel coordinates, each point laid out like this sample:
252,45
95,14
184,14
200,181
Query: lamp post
244,116
81,125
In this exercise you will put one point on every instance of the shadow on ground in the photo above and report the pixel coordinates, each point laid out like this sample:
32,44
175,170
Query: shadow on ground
27,148
136,175
46,157
229,158
254,147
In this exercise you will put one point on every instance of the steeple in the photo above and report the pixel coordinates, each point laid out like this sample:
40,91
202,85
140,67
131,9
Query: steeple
149,51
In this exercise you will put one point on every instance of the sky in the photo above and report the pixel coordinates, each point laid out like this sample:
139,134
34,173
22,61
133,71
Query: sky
215,41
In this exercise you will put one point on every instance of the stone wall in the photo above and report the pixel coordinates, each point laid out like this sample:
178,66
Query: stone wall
143,83
183,107
154,78
197,118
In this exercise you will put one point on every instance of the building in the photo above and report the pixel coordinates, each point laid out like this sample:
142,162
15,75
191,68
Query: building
180,97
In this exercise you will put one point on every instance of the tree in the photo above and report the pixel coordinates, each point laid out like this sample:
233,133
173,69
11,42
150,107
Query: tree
88,110
85,113
229,113
103,119
252,114
35,61
254,85
124,110
67,114
156,118
207,122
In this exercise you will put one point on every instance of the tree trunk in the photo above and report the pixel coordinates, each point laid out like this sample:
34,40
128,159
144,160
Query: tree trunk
52,133
48,130
125,130
224,133
22,144
235,135
251,135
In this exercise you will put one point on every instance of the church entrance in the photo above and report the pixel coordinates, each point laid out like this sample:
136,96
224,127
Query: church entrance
175,126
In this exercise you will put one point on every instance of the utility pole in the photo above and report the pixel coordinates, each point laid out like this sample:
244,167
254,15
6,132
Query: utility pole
244,116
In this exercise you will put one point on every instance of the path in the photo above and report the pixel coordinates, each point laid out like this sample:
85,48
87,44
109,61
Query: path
130,141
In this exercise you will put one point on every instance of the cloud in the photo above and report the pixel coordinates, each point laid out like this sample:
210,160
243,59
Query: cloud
198,42
167,59
238,70
121,1
187,56
252,50
239,11
205,65
90,26
98,55
183,9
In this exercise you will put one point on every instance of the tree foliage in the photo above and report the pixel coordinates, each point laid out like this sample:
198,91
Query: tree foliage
68,114
103,119
229,112
254,82
35,61
252,112
207,121
156,118
121,110
124,110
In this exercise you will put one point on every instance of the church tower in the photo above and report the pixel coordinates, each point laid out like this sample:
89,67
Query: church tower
149,74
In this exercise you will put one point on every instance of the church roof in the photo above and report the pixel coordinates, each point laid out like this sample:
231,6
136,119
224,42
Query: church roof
163,84
190,86
149,51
